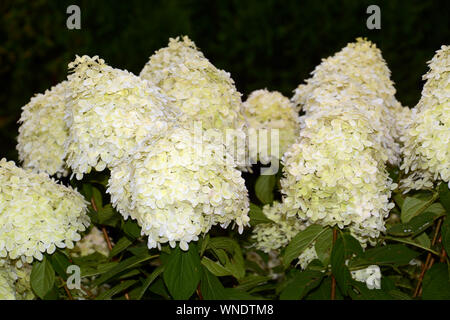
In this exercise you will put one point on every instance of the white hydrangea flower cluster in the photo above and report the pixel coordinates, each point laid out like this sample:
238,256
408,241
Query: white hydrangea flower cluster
277,234
335,174
177,188
37,214
201,91
308,255
108,113
92,242
15,282
370,275
357,75
426,148
43,132
269,110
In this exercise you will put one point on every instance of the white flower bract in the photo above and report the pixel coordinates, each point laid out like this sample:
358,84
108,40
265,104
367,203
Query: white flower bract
370,275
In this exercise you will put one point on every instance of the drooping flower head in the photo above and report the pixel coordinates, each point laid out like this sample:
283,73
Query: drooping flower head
335,173
37,214
178,187
109,112
356,75
270,110
43,132
201,91
426,148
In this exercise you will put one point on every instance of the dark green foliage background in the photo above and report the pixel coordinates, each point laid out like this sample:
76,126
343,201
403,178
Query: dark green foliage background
263,43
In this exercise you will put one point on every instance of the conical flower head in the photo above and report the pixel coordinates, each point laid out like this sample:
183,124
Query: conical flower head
201,91
109,112
177,188
426,148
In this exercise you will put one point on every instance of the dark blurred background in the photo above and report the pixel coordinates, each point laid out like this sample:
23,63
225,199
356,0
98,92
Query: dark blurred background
262,43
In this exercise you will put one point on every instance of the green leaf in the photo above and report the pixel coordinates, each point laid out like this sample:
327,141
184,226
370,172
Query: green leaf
235,294
419,223
147,282
211,287
120,246
445,232
300,242
391,255
436,283
323,291
257,216
183,272
108,216
203,243
158,287
423,240
97,195
345,247
399,200
398,295
301,284
60,262
252,281
132,229
235,264
108,294
215,267
42,277
360,291
414,206
264,188
444,196
323,245
122,266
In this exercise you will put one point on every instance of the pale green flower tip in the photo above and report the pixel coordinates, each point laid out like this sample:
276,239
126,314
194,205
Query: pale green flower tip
199,90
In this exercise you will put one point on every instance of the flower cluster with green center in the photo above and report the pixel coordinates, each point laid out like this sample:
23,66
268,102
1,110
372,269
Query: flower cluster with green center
37,215
270,110
426,148
108,113
178,187
201,91
43,132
